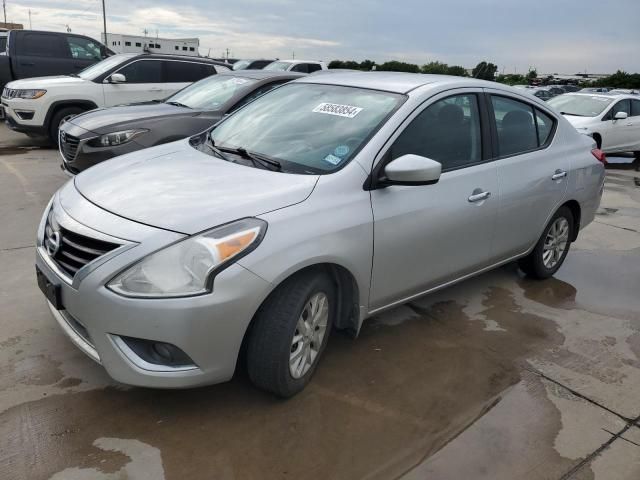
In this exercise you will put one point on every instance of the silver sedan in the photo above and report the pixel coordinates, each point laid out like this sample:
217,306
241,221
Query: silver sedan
321,203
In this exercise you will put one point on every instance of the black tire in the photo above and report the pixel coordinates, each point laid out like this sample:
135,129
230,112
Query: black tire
270,342
533,264
57,119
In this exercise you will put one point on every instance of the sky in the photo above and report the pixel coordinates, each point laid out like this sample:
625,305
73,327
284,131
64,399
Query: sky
561,36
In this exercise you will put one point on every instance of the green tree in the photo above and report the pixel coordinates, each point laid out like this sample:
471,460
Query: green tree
485,71
435,67
532,75
620,79
396,66
457,70
367,65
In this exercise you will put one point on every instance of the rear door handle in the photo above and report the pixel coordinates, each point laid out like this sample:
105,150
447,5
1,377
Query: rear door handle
27,64
478,196
558,175
155,90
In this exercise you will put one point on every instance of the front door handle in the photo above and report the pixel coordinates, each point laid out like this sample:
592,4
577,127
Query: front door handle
478,196
155,90
558,175
629,124
27,64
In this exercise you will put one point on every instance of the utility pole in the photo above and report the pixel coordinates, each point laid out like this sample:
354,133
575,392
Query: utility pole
104,21
30,27
4,7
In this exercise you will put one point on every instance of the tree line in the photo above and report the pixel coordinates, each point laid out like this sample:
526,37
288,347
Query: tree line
483,70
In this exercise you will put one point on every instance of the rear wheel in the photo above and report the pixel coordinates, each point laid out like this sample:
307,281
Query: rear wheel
552,247
290,333
58,119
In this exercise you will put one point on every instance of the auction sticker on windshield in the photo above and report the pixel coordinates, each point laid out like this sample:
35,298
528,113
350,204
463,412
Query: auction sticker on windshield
347,111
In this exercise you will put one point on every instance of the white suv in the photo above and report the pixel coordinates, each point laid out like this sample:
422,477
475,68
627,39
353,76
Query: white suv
37,106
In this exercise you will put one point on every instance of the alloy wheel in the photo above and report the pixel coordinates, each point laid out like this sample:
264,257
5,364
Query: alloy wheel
555,243
309,334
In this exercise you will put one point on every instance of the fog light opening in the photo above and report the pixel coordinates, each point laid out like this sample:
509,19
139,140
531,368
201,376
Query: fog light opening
159,353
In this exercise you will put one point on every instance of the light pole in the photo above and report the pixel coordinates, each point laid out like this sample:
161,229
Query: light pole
4,7
104,20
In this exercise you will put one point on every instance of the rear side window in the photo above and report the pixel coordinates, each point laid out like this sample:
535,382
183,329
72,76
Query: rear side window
182,72
448,131
143,71
635,108
521,127
545,127
42,45
300,67
314,67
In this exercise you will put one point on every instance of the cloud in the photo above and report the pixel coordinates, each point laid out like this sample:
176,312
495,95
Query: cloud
566,37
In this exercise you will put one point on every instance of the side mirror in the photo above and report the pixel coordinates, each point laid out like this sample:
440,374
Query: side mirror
620,116
412,170
117,78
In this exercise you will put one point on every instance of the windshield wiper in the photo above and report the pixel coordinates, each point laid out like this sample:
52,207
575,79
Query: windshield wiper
572,114
178,104
256,158
212,146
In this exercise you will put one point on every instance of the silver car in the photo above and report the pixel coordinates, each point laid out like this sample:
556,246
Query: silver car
321,203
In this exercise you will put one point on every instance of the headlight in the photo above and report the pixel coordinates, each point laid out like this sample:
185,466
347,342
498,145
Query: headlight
116,138
30,94
186,268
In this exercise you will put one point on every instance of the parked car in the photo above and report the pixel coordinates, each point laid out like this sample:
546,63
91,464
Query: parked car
302,66
98,135
257,236
629,91
38,106
541,93
32,53
612,120
3,41
594,90
251,64
569,88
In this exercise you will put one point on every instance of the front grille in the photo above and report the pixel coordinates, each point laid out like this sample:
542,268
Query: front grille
9,92
71,251
68,146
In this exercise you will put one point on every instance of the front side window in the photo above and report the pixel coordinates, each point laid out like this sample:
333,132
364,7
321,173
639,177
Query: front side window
314,67
211,93
308,128
84,49
301,68
515,125
621,106
448,131
143,71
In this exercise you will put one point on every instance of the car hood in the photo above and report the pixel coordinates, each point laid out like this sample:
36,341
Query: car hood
176,187
47,82
579,122
104,120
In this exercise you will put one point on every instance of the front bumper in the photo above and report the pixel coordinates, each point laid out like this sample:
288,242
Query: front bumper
33,116
208,328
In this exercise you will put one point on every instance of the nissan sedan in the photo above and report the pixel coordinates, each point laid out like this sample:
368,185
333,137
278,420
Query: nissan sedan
321,203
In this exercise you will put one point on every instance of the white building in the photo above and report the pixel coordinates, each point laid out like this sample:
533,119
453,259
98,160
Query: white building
138,44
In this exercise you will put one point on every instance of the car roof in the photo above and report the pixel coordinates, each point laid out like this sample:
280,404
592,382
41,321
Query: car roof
297,61
190,58
396,82
263,74
614,95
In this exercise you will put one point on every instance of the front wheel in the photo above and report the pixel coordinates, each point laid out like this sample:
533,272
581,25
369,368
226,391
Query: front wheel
290,333
552,247
58,119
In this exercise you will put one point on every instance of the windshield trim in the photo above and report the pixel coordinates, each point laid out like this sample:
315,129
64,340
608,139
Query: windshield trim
402,99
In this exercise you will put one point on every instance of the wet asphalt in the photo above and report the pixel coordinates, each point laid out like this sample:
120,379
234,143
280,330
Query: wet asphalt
498,377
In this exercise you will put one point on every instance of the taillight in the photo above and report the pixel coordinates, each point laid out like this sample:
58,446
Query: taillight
600,155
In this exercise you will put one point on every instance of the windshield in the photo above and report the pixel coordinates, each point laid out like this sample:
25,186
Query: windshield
105,65
580,105
308,128
280,66
212,92
241,65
